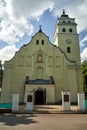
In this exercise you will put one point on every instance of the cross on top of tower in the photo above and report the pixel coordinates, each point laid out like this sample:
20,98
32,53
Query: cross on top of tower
63,11
64,14
40,29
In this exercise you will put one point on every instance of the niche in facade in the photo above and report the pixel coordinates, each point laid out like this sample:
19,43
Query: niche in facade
39,58
39,73
28,61
21,60
57,61
50,61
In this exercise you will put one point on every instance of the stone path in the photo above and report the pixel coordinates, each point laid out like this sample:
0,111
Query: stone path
43,121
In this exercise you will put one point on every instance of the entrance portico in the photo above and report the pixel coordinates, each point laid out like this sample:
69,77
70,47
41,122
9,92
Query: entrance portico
43,94
43,90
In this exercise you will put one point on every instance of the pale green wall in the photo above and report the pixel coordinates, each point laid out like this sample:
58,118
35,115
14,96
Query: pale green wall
64,67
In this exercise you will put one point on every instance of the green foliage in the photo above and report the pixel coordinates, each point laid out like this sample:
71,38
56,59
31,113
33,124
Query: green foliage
84,73
1,74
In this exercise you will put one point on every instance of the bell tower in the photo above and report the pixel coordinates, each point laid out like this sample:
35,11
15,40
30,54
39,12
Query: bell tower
67,38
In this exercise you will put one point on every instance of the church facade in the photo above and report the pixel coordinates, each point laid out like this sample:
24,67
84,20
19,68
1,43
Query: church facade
44,68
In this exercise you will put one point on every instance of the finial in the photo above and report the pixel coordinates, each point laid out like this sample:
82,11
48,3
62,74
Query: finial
63,12
40,30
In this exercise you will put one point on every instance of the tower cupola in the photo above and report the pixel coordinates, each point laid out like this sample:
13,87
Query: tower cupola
66,36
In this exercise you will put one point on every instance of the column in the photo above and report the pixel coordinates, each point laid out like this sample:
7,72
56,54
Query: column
81,101
29,101
15,101
66,103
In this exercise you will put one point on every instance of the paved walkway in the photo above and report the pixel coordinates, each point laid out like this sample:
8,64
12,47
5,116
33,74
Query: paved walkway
43,121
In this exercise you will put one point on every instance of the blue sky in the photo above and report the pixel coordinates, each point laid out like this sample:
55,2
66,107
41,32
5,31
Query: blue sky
20,20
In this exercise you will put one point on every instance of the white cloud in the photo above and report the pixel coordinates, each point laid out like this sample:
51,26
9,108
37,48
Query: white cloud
7,52
83,41
75,8
84,54
16,15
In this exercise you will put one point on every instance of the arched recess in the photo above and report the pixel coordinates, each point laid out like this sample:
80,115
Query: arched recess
21,60
39,73
50,61
28,61
57,60
39,58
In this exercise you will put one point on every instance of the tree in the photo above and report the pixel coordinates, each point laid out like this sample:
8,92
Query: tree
84,74
1,74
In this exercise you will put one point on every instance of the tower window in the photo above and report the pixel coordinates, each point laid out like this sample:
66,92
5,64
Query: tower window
69,21
68,49
70,30
37,42
63,30
42,42
63,21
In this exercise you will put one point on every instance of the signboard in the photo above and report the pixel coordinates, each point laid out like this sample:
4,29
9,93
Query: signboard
29,101
66,103
29,98
66,98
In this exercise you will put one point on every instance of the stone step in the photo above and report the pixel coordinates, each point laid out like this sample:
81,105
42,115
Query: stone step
47,108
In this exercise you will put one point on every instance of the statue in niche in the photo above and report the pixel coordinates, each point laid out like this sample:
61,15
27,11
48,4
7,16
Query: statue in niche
40,58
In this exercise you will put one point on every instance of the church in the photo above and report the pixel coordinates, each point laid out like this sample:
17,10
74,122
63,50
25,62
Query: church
44,68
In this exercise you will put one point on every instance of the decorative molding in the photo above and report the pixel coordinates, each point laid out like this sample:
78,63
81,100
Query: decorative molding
8,65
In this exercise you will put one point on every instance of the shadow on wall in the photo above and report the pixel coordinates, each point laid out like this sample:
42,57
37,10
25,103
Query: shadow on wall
14,119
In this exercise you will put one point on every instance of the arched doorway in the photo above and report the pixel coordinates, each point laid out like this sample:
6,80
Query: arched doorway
40,97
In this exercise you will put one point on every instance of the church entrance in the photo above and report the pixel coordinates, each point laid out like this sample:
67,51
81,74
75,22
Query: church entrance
40,97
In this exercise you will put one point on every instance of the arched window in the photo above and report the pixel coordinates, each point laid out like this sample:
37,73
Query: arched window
63,30
37,42
70,30
68,49
42,42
